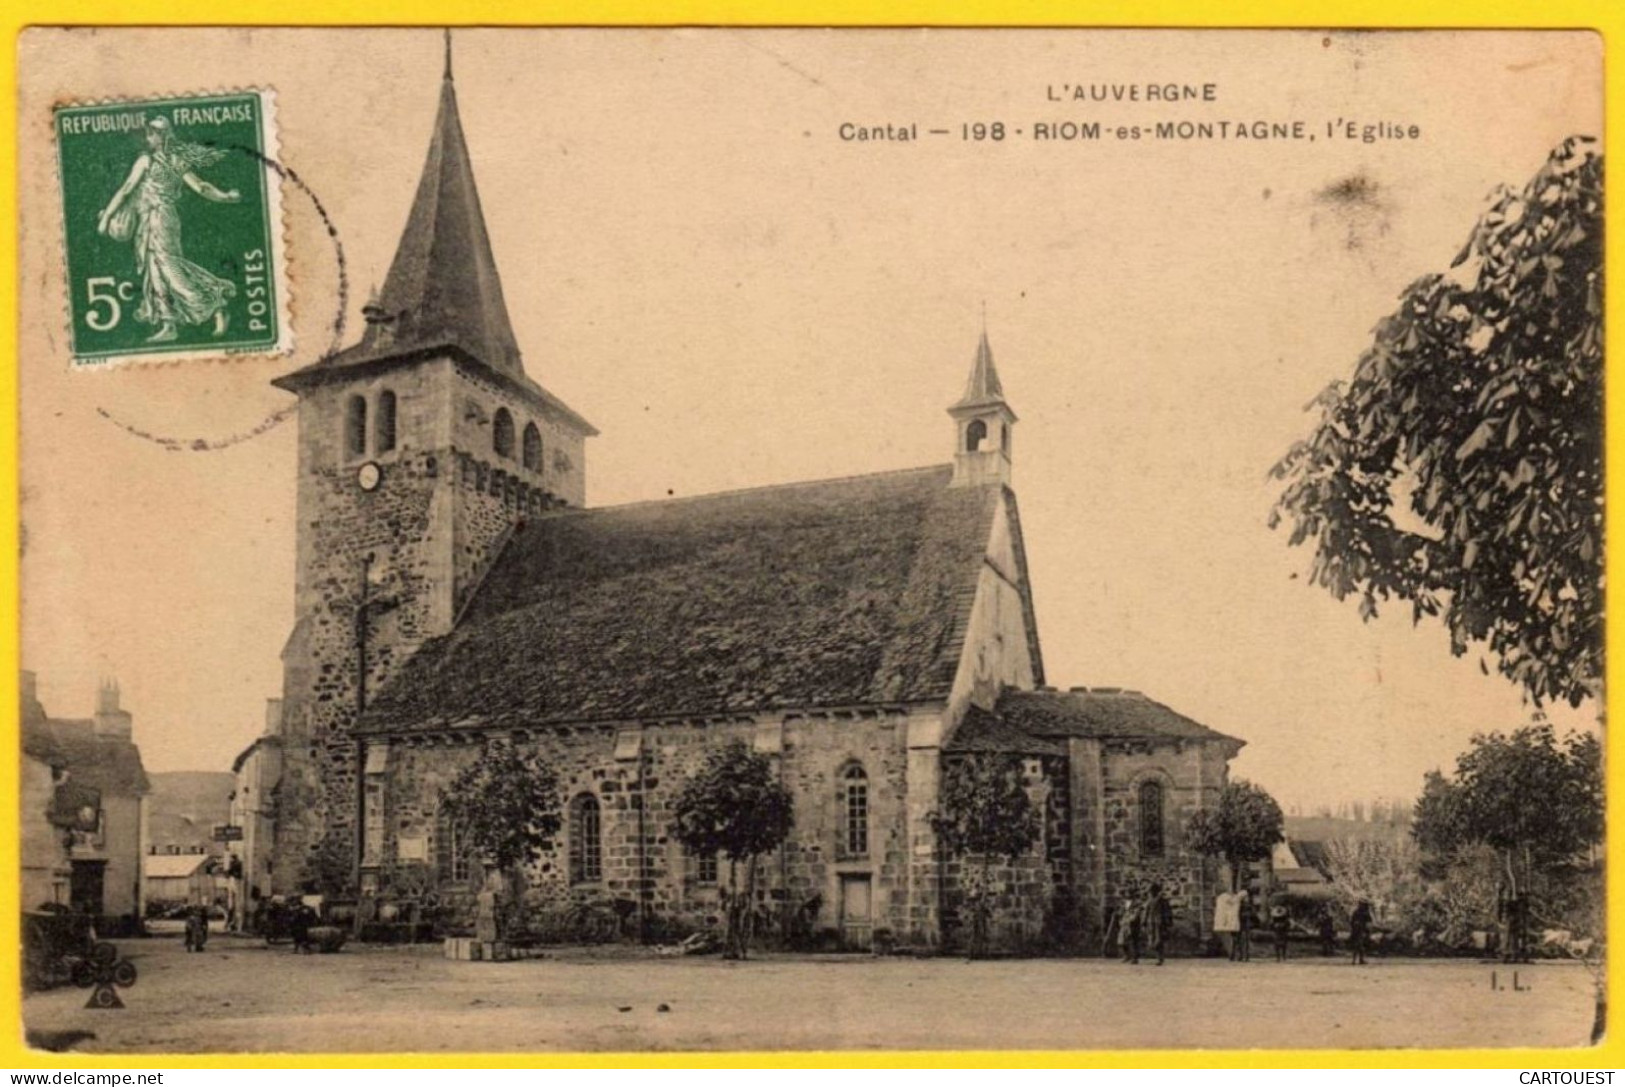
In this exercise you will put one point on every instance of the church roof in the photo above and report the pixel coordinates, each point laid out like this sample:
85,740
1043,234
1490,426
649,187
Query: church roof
834,593
442,294
983,389
1103,713
983,731
443,284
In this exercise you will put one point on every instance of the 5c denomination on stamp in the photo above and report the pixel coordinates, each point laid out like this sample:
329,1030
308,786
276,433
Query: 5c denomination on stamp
172,228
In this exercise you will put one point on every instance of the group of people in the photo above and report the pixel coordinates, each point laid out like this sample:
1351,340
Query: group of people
1141,923
275,919
1234,920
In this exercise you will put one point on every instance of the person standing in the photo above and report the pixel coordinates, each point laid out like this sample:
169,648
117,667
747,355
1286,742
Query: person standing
1360,932
1158,918
1128,930
1226,922
1244,926
197,928
1280,929
1328,933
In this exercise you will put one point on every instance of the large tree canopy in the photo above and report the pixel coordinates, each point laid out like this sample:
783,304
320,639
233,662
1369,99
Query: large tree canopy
1476,414
1535,799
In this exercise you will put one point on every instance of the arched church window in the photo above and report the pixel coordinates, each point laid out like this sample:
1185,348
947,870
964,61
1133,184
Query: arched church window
533,448
1150,819
451,861
586,840
975,435
384,428
355,426
855,790
1004,436
502,433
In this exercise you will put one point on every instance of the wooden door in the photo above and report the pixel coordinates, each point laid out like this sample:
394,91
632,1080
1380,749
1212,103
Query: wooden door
857,917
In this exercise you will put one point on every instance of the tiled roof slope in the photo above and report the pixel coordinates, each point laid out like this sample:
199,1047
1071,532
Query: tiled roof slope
98,762
981,731
1102,713
838,592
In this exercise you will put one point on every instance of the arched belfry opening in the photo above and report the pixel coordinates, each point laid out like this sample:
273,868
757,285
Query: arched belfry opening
983,419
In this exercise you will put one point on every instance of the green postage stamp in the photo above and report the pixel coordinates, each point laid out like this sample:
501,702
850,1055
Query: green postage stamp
172,228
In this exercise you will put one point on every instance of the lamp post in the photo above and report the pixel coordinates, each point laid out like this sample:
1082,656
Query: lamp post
366,606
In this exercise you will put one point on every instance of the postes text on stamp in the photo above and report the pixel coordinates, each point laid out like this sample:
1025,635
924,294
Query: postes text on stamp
172,228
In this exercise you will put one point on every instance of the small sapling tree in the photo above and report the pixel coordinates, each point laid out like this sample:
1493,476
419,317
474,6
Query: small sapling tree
735,807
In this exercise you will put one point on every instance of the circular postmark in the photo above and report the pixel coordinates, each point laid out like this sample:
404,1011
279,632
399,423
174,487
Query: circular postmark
334,340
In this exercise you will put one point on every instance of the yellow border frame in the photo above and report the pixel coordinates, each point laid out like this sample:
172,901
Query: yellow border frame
1607,17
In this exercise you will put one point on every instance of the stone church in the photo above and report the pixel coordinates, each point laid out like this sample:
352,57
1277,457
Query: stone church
452,588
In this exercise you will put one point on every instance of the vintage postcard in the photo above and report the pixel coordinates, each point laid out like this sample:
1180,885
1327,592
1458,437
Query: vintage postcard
727,539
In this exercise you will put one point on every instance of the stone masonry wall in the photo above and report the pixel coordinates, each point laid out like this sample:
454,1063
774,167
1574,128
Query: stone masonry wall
432,526
1191,774
1031,908
642,863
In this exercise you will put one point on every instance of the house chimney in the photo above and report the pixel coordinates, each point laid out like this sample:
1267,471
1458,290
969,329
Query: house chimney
28,690
111,720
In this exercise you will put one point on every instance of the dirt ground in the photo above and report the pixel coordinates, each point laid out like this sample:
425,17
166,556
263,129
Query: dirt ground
241,996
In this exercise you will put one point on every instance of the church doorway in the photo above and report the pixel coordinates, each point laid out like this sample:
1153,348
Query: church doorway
857,916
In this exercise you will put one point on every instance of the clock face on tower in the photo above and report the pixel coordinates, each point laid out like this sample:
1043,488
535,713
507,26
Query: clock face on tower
369,476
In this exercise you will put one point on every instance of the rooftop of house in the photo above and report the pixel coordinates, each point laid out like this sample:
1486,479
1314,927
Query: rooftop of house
173,865
838,592
108,763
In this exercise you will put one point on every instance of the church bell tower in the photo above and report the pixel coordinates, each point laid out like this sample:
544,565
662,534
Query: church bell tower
983,423
422,449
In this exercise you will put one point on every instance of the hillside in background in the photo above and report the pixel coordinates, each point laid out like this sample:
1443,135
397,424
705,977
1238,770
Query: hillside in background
184,808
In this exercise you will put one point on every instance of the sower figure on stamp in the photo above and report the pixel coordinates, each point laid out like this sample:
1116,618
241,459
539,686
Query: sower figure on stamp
146,209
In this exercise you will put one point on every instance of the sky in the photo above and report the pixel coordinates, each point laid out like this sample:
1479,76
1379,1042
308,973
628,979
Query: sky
696,261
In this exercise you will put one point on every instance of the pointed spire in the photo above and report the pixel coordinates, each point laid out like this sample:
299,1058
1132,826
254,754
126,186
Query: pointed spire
442,287
983,386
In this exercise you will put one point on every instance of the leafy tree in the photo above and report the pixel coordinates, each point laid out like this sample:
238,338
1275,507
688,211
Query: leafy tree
985,813
735,807
1534,799
504,806
1461,468
1242,828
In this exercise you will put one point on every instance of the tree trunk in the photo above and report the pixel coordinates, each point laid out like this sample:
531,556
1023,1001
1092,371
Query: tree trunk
747,908
734,919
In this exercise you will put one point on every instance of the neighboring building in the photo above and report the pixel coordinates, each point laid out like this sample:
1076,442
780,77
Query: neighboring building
99,808
1293,871
180,879
47,870
256,771
864,632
